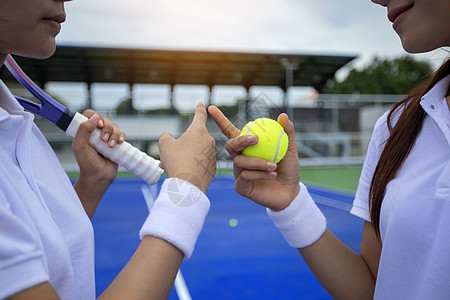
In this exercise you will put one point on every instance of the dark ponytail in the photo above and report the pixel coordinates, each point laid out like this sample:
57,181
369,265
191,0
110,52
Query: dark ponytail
400,142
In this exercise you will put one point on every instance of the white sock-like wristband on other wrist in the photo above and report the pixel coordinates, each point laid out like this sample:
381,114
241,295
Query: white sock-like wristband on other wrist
301,223
177,215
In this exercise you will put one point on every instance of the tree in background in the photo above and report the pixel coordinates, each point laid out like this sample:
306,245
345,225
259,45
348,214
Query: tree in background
125,107
383,76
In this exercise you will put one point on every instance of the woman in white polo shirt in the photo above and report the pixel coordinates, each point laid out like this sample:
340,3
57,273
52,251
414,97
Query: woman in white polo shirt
46,238
403,193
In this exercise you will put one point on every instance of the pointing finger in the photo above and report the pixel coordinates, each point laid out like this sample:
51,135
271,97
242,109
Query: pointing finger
200,115
227,128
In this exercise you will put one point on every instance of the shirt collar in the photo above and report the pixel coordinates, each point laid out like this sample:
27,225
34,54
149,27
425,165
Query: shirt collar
438,91
8,103
435,105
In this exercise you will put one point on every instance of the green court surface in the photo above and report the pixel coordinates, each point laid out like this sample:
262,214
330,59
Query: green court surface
343,178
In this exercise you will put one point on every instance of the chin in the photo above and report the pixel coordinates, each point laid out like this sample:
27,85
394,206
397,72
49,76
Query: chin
414,48
44,50
420,43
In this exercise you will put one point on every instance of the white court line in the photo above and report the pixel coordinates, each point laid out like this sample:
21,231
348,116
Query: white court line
331,202
150,193
181,287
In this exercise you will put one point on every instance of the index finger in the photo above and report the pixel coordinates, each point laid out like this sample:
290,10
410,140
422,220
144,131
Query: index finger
224,124
200,115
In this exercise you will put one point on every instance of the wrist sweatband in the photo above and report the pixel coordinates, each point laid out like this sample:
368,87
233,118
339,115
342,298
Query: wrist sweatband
177,215
301,223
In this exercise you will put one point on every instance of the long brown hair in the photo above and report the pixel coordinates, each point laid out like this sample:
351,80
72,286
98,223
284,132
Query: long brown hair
400,142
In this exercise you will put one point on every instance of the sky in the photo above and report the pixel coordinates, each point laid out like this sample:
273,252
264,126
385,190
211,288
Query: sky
329,27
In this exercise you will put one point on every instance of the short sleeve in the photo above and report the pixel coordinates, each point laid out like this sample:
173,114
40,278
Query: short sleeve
21,259
379,136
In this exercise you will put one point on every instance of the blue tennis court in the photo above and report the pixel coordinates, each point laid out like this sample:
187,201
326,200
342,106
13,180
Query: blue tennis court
239,255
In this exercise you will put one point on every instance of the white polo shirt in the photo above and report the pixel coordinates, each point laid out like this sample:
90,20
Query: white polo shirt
415,214
45,234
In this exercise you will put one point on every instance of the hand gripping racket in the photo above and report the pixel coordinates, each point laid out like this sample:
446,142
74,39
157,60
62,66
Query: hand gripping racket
123,154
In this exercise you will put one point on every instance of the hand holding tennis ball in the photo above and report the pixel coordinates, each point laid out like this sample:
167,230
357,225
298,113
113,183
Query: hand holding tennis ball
264,182
273,141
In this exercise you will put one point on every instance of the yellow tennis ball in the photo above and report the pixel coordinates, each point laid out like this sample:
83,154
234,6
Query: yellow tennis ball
273,141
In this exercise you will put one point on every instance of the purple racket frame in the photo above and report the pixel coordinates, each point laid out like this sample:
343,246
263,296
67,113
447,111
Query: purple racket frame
49,108
124,153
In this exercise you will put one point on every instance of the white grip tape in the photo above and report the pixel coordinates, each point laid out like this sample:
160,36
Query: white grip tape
123,154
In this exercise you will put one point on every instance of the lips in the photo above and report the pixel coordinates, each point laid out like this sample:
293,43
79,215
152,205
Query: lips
61,18
395,12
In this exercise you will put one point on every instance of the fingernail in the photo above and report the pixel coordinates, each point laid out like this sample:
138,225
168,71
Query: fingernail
106,137
271,165
272,175
121,139
252,139
94,118
100,123
112,143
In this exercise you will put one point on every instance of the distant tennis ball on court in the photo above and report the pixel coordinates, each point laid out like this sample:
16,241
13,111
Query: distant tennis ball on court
233,222
273,141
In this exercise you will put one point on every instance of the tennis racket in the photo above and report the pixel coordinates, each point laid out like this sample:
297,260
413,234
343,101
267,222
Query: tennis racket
123,154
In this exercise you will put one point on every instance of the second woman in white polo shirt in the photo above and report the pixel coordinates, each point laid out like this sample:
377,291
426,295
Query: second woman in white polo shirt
404,190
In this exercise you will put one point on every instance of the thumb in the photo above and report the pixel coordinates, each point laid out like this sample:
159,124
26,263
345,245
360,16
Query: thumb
283,119
84,131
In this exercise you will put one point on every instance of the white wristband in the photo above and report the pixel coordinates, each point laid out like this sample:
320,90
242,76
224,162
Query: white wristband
177,215
301,223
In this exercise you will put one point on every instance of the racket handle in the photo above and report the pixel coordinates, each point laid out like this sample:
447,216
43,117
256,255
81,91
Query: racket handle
123,154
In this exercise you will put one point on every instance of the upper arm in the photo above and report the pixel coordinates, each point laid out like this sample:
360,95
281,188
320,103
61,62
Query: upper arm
370,248
370,243
43,291
21,258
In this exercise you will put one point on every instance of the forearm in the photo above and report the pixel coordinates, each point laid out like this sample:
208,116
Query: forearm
90,193
149,274
342,272
168,236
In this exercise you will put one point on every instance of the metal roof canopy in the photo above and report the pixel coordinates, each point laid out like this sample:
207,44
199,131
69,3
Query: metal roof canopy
173,67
